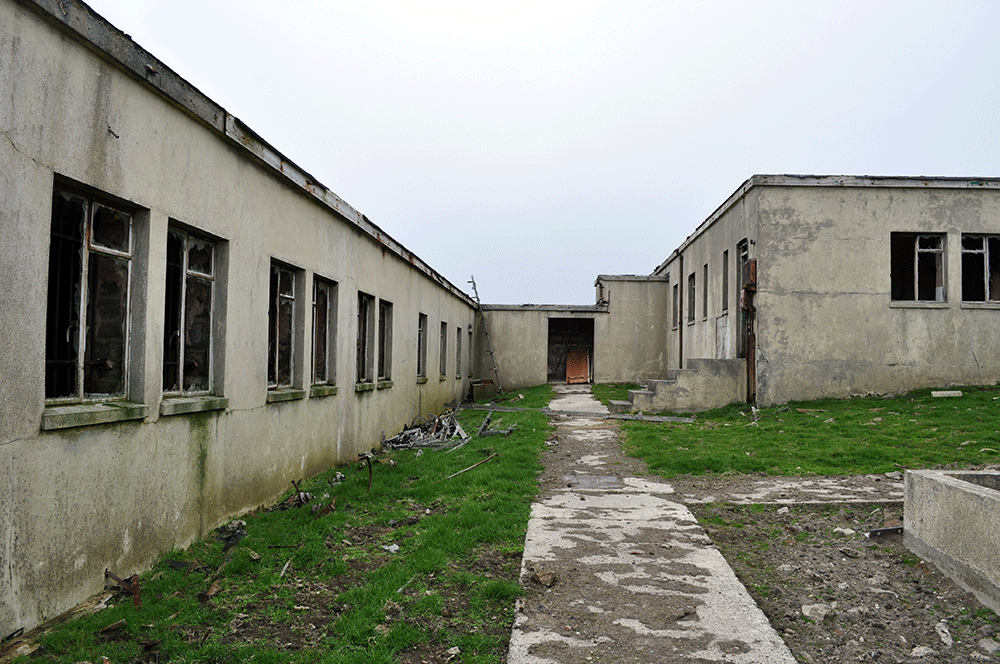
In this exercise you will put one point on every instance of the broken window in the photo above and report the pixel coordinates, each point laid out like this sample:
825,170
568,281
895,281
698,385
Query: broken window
458,352
742,259
281,327
187,330
422,346
725,280
90,262
980,268
443,357
676,305
366,336
704,292
384,340
691,301
324,332
917,269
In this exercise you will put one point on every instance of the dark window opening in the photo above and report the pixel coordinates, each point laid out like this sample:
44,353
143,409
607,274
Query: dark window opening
324,332
676,305
691,300
281,327
980,268
187,332
725,280
742,259
366,337
91,244
384,340
443,357
571,350
917,267
422,346
704,292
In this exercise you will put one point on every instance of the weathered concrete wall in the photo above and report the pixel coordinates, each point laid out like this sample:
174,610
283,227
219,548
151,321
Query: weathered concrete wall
952,518
704,385
520,336
827,323
631,346
81,499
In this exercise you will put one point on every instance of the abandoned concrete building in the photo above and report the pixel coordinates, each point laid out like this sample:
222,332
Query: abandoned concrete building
797,287
178,353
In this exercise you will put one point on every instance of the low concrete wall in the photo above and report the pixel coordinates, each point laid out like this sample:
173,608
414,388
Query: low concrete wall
704,385
952,518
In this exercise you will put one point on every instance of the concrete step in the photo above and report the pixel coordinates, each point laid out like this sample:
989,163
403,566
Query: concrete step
620,406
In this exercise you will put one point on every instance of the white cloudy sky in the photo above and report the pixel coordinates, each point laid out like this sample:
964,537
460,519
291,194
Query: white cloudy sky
536,144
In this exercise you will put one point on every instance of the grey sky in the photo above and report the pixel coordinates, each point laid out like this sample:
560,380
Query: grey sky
537,144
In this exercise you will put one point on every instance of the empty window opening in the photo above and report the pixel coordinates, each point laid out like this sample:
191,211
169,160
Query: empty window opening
458,352
725,280
422,346
704,292
443,357
917,268
384,340
980,268
90,263
691,300
571,350
281,327
742,259
676,305
187,332
324,332
366,337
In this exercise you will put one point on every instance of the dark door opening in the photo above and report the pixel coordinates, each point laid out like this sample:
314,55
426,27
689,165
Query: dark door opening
571,339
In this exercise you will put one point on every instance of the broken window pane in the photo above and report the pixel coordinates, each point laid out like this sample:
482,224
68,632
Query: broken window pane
980,268
187,333
197,334
384,340
324,331
443,357
281,318
917,267
366,340
87,360
422,345
173,313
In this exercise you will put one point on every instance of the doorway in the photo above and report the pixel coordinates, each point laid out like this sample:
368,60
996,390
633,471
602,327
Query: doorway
571,344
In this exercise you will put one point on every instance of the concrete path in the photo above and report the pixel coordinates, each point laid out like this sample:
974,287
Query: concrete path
617,572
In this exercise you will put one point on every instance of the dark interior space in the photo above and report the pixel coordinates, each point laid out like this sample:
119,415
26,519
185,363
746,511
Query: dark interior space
566,334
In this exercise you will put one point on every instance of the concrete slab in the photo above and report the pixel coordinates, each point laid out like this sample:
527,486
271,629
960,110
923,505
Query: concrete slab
636,579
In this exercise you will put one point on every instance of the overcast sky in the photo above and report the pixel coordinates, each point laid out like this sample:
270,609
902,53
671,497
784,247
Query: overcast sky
538,144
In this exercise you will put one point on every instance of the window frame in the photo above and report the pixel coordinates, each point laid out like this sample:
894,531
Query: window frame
384,364
458,351
725,281
422,323
84,252
365,365
278,296
324,332
187,273
443,356
692,301
908,268
989,258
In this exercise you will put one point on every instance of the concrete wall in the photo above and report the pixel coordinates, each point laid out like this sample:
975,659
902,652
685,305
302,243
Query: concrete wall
952,518
827,325
79,499
826,322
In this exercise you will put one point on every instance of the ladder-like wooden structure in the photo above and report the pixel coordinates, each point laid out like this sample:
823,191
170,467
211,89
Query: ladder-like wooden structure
486,331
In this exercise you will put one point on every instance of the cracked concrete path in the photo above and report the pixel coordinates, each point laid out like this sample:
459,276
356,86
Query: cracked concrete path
616,571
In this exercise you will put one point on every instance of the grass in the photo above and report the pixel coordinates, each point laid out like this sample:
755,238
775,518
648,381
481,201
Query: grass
533,397
606,392
306,589
828,437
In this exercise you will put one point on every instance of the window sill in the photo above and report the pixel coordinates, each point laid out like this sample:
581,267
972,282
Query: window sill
458,376
82,415
384,384
364,387
421,380
322,390
285,394
442,378
916,304
981,305
182,405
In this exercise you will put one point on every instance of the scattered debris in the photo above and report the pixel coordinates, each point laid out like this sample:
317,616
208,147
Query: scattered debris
297,499
439,432
391,548
546,578
113,628
944,634
484,428
231,533
321,511
817,612
492,456
946,393
129,585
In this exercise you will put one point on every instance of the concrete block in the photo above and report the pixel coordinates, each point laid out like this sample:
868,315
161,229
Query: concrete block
952,519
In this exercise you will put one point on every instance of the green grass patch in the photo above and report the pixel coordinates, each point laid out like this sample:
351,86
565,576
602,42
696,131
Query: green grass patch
827,437
607,392
299,588
538,396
